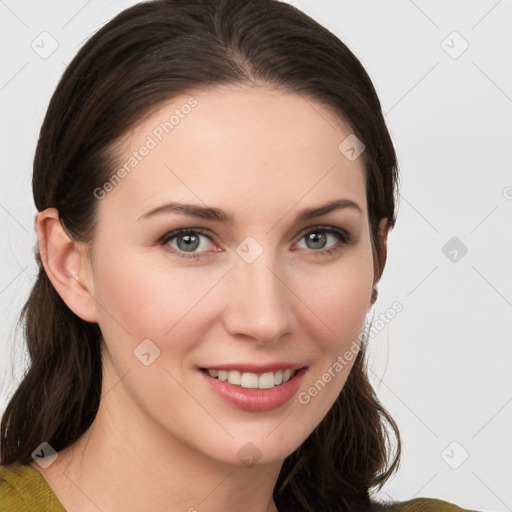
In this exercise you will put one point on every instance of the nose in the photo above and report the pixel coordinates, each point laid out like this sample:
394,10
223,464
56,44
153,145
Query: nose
259,304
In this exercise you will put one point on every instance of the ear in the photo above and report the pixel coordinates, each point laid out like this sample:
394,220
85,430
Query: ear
380,260
67,264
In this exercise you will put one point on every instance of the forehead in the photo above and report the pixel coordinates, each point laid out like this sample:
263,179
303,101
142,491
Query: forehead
237,148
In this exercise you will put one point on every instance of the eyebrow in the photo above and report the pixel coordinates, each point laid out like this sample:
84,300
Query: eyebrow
216,214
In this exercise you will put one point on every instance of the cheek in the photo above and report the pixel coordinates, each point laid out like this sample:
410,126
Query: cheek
143,298
338,298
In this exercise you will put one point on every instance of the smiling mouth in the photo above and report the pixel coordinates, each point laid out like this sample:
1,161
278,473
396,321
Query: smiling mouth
248,380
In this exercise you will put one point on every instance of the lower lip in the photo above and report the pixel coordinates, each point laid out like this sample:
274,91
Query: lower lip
255,400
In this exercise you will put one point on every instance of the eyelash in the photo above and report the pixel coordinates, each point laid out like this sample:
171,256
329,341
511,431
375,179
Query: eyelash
343,236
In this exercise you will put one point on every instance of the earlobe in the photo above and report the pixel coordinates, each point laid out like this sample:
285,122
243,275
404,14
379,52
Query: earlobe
66,264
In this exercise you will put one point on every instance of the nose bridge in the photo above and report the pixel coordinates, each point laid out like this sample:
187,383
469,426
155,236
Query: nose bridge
259,303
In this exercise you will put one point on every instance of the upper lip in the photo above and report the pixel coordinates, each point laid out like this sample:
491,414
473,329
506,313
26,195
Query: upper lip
255,368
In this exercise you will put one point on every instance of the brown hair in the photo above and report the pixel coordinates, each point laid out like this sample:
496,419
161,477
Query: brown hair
143,57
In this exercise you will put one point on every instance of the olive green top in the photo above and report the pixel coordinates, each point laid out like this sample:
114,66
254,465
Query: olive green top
24,489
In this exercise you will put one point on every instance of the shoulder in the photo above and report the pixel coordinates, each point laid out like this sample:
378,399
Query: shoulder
24,488
419,505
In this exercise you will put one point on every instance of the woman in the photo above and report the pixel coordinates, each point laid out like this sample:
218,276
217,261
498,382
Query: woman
215,184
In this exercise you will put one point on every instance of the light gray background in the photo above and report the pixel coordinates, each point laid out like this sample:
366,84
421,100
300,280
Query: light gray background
442,367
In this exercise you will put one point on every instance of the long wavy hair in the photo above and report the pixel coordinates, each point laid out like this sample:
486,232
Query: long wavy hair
145,56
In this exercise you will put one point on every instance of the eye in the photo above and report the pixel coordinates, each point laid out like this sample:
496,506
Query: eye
317,238
187,241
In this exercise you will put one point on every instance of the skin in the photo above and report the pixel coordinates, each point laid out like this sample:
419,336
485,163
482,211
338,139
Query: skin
161,439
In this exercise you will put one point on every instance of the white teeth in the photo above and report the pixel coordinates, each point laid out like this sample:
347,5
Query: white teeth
249,380
266,380
234,377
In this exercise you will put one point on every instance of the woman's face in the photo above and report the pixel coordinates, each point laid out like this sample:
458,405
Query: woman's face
254,291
